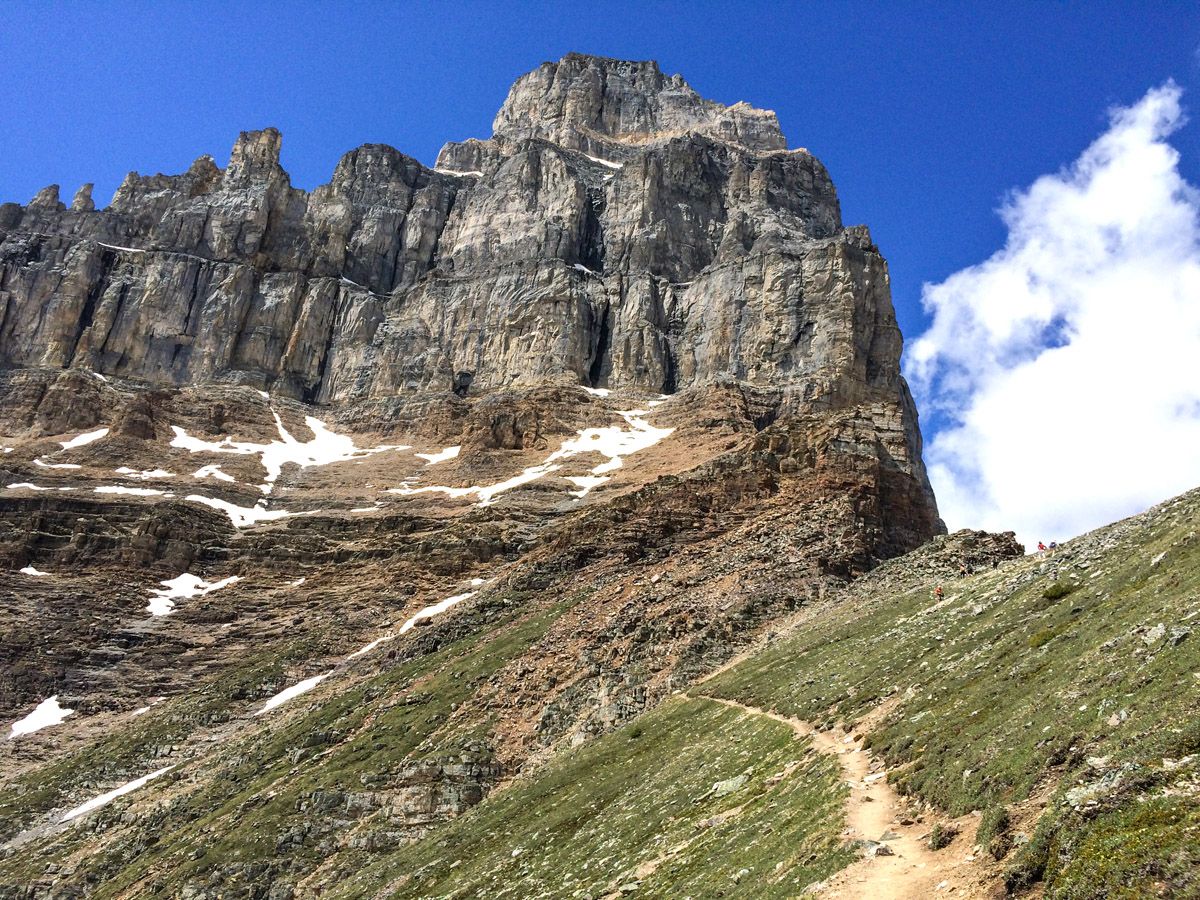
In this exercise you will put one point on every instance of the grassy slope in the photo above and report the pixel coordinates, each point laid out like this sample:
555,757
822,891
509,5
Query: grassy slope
585,824
1045,671
253,784
1044,667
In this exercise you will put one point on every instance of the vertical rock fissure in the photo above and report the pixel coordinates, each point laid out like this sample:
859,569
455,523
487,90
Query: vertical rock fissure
591,251
88,313
601,364
313,391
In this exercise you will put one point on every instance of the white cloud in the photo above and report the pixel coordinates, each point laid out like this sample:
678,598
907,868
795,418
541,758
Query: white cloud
1067,365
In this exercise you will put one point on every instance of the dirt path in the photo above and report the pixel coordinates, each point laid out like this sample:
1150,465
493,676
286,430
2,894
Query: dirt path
874,812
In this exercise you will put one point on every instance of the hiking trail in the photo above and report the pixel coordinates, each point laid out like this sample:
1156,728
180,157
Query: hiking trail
875,813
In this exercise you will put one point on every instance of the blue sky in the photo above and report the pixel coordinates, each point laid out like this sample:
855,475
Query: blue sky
927,115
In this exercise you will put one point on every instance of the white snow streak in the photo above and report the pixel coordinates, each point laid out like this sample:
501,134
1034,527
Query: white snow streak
213,471
147,475
294,691
46,465
119,247
104,799
47,713
427,612
242,516
84,439
586,483
133,491
30,570
432,459
605,162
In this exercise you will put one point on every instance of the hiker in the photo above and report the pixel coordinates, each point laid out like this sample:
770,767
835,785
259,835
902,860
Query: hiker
938,593
963,571
1041,547
1053,546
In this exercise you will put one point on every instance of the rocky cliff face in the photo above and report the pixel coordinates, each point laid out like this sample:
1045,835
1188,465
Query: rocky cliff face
616,228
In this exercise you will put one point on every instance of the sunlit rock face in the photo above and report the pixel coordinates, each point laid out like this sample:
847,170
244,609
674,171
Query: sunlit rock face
617,228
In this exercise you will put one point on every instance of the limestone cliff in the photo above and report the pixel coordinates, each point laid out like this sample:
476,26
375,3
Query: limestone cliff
617,228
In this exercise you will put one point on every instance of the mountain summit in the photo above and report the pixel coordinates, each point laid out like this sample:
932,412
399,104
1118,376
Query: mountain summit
583,102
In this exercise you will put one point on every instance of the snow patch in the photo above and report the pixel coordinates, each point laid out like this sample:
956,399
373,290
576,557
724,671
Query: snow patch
19,485
104,799
291,693
241,516
213,471
30,570
46,465
119,247
432,459
183,587
146,475
613,442
133,491
605,162
142,710
325,447
83,440
427,612
586,483
597,392
47,713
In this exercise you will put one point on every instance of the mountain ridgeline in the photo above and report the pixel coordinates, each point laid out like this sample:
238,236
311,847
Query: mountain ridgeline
616,228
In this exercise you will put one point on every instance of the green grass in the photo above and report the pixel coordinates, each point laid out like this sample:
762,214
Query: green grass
1026,673
131,747
266,805
585,824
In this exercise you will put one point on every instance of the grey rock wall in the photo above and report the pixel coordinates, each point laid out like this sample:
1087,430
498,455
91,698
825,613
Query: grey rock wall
695,246
617,230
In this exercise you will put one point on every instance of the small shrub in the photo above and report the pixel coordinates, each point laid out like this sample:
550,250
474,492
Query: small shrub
941,836
635,732
1030,865
1000,846
1042,637
1058,590
995,820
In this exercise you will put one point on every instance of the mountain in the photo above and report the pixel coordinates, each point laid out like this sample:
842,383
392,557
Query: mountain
539,524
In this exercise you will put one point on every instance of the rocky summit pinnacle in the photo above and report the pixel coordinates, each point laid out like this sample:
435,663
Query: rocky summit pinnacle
585,101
